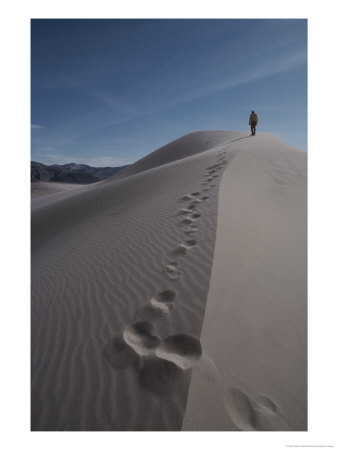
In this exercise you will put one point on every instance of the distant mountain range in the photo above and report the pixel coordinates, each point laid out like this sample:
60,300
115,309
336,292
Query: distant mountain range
71,173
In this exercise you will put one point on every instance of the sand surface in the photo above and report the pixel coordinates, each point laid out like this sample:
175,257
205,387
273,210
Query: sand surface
127,335
254,368
42,188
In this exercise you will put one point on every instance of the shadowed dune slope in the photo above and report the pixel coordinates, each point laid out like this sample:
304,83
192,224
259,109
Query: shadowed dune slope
102,260
66,209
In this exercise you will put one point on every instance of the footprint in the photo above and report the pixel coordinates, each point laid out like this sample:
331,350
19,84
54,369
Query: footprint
188,209
241,410
187,197
160,304
248,414
119,354
266,403
195,215
183,211
189,219
148,313
181,349
140,338
182,249
160,377
172,271
191,206
196,202
212,167
191,231
164,301
190,196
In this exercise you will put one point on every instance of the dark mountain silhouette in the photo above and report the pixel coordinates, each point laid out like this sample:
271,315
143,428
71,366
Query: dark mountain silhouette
71,173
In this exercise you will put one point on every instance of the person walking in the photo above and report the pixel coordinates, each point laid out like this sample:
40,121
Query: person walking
253,122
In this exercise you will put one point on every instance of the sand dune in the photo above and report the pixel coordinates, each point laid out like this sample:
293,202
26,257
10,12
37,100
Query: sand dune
125,330
42,188
254,335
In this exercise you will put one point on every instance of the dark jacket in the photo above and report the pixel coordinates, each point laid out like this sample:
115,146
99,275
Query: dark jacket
253,118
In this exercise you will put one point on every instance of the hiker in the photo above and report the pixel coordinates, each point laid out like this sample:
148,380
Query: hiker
253,122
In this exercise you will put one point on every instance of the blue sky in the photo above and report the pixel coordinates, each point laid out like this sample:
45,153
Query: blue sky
108,92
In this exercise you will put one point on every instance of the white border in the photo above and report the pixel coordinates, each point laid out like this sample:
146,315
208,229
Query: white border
323,167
